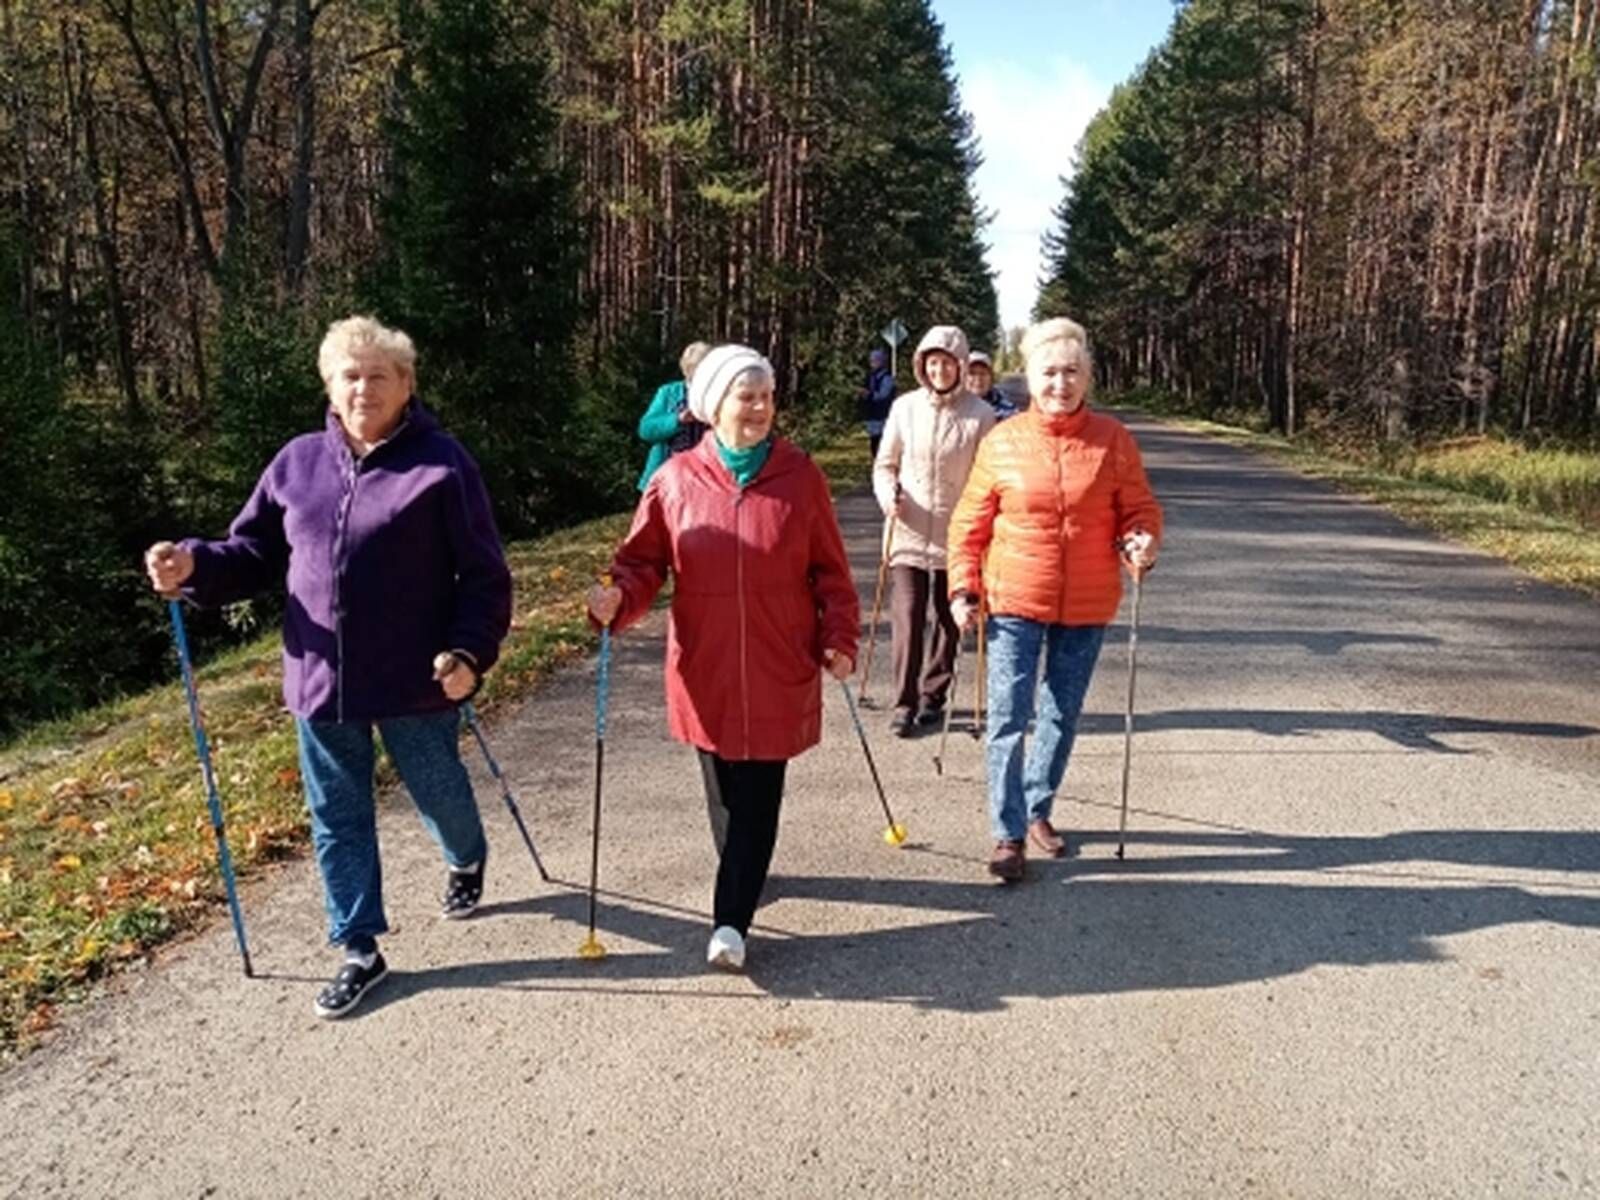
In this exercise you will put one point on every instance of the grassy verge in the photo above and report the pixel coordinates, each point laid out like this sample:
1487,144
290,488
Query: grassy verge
105,847
1538,510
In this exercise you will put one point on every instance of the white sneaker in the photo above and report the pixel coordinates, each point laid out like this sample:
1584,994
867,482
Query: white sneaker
726,949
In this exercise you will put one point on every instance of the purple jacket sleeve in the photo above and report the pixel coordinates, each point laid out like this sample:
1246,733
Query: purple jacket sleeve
483,581
252,558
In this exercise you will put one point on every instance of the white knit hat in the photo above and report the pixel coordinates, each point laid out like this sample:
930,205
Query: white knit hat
719,368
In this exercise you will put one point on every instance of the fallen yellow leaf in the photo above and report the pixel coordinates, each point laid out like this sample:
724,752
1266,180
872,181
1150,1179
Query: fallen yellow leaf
68,862
6,801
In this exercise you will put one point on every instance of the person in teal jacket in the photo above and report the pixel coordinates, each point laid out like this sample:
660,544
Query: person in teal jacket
667,425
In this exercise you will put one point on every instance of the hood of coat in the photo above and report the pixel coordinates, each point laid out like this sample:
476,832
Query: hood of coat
953,342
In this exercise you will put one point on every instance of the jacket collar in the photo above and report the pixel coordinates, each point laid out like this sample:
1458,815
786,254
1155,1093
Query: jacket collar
949,400
783,458
415,420
1069,425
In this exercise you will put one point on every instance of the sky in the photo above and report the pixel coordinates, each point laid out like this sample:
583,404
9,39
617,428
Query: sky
1033,73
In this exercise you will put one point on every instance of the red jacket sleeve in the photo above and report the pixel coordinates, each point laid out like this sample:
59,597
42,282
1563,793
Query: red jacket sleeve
1136,503
831,583
641,563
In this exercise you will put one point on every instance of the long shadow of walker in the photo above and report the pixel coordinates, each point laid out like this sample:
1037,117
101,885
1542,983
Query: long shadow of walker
1412,730
1086,926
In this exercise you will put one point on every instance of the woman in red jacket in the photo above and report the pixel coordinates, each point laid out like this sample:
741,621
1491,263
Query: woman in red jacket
762,602
1057,495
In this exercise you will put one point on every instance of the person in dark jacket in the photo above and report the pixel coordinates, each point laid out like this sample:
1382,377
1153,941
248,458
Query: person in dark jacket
762,603
876,397
980,382
668,427
380,530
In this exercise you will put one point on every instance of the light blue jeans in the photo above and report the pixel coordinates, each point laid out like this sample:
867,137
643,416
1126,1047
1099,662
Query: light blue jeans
1021,792
336,763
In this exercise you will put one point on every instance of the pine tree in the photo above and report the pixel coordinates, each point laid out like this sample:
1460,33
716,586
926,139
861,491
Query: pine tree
480,246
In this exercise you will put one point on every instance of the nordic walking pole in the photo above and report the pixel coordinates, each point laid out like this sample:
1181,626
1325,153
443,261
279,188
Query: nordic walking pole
949,706
894,833
471,715
213,802
591,948
877,602
1127,724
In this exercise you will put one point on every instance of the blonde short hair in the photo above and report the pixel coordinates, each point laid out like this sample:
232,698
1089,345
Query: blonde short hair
366,333
691,356
1056,329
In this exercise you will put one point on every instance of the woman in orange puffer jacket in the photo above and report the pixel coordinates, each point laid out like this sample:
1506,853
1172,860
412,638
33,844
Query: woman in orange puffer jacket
1057,495
762,604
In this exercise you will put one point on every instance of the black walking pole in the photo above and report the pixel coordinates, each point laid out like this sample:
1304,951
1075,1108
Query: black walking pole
1127,725
591,948
949,705
894,833
471,716
213,802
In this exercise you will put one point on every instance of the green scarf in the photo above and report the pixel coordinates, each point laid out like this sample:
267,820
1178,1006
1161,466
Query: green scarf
745,464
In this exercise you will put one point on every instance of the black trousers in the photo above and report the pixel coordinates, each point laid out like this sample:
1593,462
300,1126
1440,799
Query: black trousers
743,799
921,673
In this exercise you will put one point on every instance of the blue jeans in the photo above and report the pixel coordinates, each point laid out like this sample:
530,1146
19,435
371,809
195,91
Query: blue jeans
1020,793
336,762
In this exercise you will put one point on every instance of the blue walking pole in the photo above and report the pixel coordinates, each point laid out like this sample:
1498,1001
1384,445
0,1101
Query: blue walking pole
505,789
591,948
213,802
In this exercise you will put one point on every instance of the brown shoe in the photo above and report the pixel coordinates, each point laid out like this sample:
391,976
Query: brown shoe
1043,835
1007,861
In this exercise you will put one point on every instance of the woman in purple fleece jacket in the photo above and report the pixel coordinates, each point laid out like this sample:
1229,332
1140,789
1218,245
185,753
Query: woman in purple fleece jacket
399,596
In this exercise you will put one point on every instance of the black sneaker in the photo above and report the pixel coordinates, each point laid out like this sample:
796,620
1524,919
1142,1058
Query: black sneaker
462,891
345,990
900,723
931,712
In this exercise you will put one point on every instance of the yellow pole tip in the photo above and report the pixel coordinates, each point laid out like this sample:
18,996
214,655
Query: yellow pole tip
895,835
591,950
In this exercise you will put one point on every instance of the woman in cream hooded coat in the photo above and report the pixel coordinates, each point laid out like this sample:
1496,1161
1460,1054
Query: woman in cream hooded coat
929,443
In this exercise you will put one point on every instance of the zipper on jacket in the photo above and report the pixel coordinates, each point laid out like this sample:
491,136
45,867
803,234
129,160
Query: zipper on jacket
1066,533
341,528
738,569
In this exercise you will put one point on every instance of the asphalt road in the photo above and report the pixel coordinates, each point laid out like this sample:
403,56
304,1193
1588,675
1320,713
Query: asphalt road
1352,950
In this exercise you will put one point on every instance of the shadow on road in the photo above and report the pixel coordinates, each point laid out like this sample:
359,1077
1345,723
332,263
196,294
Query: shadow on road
1413,730
1409,731
1089,925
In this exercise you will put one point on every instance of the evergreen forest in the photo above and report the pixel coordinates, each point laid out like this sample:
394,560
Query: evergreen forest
1378,218
551,196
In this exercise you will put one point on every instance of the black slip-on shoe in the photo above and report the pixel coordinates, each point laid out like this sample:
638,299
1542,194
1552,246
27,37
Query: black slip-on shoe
462,891
346,988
